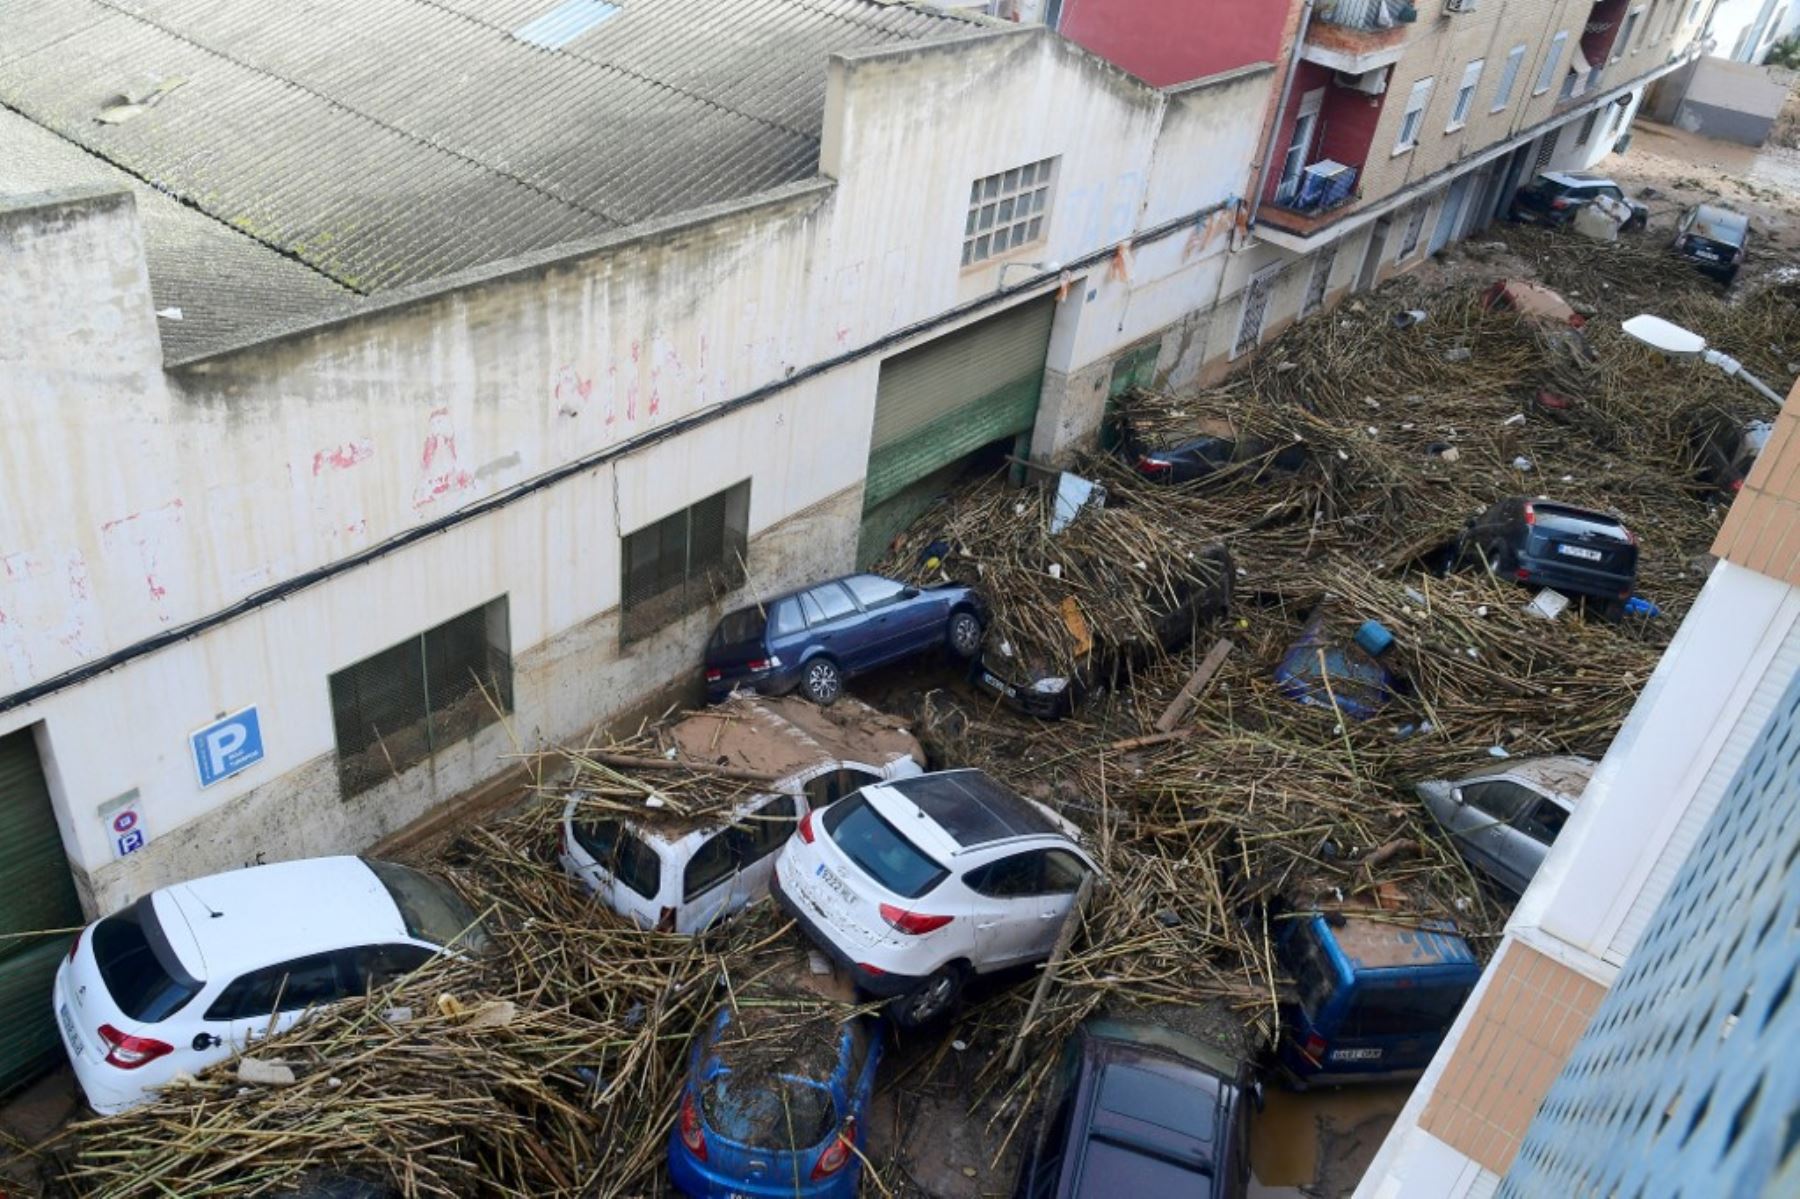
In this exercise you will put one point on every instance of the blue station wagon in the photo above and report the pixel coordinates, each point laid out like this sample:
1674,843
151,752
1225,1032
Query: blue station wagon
813,640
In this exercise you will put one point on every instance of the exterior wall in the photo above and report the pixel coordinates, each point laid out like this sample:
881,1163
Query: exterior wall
500,435
1732,101
1164,41
1743,30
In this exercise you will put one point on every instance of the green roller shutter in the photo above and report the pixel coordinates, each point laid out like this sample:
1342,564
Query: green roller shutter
956,394
38,893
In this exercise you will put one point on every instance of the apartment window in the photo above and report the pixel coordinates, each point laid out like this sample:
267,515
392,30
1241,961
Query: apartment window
1415,115
1694,12
1299,145
1006,211
1631,23
1465,96
1509,76
684,561
1415,225
1644,39
412,700
1320,282
1618,122
1587,128
1547,75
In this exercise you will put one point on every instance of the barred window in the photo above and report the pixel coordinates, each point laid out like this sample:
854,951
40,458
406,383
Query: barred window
1006,211
397,708
684,562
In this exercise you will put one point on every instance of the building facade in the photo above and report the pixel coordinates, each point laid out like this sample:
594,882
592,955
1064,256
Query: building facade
357,449
1615,872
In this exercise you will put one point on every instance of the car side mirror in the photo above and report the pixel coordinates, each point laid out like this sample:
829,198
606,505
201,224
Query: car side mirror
204,1041
1456,795
909,593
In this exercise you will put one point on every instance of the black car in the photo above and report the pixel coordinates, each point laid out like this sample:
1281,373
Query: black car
1200,457
1714,239
816,638
1142,1110
1576,551
1553,198
1724,448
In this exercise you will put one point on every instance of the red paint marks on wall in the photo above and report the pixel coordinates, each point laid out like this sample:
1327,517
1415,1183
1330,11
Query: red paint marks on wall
572,391
1165,42
440,473
149,538
342,457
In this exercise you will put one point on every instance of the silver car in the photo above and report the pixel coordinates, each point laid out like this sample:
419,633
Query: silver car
1505,822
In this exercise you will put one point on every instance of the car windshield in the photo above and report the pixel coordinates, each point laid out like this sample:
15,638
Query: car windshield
432,911
138,966
743,627
1553,187
877,846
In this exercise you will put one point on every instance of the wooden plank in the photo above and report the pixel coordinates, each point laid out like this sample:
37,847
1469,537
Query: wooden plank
1196,683
1064,939
633,762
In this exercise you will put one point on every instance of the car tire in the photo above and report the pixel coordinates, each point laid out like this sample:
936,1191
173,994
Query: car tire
1495,553
930,1000
821,681
1612,611
964,635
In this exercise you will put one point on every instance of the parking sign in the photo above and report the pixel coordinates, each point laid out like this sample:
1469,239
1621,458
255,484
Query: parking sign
226,746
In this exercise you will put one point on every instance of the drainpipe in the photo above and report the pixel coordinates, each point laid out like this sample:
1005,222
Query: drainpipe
1281,110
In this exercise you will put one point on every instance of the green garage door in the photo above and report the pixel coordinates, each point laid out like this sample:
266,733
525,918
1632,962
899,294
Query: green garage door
954,395
36,892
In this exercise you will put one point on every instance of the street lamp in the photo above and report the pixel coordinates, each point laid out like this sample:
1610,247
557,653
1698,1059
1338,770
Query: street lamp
1669,338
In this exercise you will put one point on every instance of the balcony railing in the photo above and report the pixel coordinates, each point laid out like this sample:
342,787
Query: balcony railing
1369,14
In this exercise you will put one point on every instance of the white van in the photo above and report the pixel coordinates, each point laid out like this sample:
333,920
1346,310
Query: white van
703,847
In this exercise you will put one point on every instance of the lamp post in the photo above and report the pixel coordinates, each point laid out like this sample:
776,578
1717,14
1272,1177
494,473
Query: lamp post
1669,338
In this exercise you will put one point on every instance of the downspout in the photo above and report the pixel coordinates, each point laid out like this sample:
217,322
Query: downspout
1281,110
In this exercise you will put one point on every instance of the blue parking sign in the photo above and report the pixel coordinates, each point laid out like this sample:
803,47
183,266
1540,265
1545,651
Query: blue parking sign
226,746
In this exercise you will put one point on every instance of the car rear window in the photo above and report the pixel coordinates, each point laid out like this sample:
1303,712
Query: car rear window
1403,1011
878,848
743,627
138,966
1552,188
784,1113
621,854
1553,519
431,910
1315,978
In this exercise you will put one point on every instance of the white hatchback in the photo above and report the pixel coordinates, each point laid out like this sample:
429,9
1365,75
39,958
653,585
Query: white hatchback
679,872
913,885
189,975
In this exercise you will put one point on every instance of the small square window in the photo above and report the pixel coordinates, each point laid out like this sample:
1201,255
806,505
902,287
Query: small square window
968,252
990,187
1007,209
969,225
1036,226
1010,181
981,246
987,218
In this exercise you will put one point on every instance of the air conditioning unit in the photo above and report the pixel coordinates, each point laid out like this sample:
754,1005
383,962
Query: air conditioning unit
1459,5
1369,83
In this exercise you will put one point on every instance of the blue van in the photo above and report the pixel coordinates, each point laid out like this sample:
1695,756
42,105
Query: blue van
1372,999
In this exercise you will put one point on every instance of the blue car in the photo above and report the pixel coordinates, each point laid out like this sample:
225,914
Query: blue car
815,639
760,1117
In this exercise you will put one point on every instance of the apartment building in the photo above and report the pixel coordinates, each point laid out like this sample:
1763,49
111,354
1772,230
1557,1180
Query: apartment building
1654,901
370,422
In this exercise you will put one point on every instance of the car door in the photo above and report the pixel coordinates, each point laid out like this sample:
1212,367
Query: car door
706,880
1060,879
627,874
261,1003
835,625
374,968
890,626
1482,826
1537,824
1008,894
756,839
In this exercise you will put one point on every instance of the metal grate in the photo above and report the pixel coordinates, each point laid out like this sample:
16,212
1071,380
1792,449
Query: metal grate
1682,1084
684,562
564,23
397,708
1320,282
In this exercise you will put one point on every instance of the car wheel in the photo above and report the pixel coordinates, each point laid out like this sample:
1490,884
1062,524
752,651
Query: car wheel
1495,552
931,999
822,682
965,635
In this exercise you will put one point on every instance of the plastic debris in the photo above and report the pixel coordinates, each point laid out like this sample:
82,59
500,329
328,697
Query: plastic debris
1548,604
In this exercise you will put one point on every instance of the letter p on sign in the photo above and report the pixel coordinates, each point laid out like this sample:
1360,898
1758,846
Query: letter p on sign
227,746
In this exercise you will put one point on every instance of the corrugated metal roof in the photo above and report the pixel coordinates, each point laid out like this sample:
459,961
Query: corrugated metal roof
384,143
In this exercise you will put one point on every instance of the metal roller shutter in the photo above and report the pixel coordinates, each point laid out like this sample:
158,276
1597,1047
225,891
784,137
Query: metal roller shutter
39,893
951,397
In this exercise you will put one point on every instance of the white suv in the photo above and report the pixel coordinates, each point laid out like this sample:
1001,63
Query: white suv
914,884
191,974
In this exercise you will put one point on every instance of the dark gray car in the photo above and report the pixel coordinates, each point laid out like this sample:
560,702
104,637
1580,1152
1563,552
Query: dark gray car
1504,822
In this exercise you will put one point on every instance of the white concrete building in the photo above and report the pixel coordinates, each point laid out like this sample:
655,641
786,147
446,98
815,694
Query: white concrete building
386,395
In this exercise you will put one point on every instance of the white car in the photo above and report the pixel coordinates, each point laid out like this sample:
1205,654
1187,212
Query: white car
681,873
192,974
915,884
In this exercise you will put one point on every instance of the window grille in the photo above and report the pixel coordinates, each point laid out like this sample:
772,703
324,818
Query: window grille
1007,211
684,562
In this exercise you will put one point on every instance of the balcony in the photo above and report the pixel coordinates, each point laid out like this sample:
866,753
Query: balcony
1324,144
1356,36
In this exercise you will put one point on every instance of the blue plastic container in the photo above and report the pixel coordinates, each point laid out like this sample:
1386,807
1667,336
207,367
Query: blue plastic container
1373,638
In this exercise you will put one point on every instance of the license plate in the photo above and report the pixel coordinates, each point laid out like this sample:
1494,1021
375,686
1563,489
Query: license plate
1709,255
1582,552
835,884
1355,1055
996,683
68,1023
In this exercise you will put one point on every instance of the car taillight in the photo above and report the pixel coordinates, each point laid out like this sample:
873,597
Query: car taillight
913,924
128,1052
1522,573
1154,466
871,971
760,664
1736,485
691,1134
75,944
833,1159
1559,203
713,674
1314,1047
806,829
1630,537
1530,515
